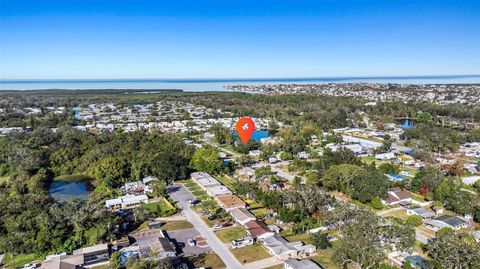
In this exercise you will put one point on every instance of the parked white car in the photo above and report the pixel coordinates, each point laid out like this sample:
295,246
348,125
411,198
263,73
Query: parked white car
191,242
217,226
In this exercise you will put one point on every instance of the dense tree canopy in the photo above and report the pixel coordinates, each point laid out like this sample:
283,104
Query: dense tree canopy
33,222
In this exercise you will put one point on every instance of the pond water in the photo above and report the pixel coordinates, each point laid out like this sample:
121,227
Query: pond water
257,134
63,191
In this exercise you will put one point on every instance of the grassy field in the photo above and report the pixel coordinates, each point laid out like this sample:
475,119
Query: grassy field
324,258
229,234
166,209
305,238
260,212
176,225
226,180
250,253
210,260
418,197
400,214
20,260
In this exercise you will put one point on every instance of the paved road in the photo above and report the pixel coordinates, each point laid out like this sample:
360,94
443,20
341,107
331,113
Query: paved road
182,196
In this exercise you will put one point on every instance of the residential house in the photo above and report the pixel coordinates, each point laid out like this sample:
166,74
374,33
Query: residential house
453,222
149,180
247,173
254,153
219,190
93,255
230,202
300,264
476,235
470,180
397,196
204,179
385,156
242,215
303,155
152,243
63,262
284,250
422,212
280,248
258,230
126,201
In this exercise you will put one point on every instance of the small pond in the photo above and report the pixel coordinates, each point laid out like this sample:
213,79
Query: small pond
258,134
63,191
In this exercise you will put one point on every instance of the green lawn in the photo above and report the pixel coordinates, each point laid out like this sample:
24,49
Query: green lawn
400,214
305,238
418,197
21,259
250,253
229,234
176,225
199,193
162,208
226,180
260,212
210,260
324,258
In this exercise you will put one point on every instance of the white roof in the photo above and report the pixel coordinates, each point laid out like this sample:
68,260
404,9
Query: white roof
126,199
149,179
218,190
208,182
470,180
134,198
113,202
242,215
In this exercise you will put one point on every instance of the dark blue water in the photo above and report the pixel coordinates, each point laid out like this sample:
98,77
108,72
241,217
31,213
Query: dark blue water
63,191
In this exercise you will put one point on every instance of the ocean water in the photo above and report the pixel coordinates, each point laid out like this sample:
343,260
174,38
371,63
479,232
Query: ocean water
216,84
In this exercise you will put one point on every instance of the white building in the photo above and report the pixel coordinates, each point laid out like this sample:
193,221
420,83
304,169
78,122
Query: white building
126,201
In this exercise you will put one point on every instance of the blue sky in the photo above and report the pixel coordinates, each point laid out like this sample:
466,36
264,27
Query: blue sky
70,39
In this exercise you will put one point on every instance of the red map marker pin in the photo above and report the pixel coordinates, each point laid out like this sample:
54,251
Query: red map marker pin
245,128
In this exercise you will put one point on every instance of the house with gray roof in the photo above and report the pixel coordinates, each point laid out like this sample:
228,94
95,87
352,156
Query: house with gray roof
422,212
300,264
453,222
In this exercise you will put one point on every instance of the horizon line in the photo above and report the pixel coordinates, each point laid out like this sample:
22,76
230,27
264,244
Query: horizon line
230,79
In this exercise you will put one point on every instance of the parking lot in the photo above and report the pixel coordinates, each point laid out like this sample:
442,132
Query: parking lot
180,238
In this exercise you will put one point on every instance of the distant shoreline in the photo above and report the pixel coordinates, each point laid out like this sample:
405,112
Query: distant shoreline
206,85
228,80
